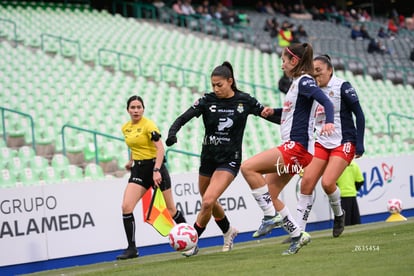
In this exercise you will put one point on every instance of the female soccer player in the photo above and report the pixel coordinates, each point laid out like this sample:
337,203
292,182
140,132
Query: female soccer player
147,169
334,153
224,114
279,164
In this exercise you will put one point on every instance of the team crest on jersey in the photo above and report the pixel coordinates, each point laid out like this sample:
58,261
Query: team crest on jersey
240,108
331,94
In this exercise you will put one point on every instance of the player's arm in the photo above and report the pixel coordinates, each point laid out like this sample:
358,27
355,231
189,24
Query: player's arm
309,88
178,123
349,95
155,138
273,115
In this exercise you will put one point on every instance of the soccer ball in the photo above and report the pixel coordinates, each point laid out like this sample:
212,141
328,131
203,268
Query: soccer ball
183,237
394,205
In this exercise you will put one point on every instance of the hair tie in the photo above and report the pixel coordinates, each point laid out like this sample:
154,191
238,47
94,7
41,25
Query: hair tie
290,52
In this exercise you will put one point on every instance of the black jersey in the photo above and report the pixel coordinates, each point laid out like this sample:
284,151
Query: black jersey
224,121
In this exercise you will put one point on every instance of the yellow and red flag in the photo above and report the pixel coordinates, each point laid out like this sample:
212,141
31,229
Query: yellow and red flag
156,212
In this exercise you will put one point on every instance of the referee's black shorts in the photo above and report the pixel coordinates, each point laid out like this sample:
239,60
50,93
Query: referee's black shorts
142,172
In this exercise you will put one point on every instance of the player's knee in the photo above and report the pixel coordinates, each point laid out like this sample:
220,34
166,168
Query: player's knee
208,204
127,208
307,185
245,167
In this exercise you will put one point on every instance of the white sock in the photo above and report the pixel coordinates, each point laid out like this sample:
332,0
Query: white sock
289,223
264,200
335,201
303,209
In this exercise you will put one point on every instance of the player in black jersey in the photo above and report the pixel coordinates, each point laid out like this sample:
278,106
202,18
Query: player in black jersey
224,113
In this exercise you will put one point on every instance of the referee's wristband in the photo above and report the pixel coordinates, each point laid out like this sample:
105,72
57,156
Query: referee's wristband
156,170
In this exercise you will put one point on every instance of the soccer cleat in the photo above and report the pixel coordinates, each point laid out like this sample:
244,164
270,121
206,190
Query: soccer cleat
228,239
267,225
339,225
128,253
191,252
297,243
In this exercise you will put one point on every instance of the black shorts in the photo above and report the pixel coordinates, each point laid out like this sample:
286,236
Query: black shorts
142,172
208,167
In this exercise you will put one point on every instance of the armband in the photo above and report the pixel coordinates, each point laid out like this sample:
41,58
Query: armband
155,136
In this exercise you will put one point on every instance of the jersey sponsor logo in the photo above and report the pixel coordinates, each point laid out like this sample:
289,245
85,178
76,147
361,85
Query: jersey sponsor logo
351,91
137,180
224,123
232,164
310,83
240,108
212,108
214,140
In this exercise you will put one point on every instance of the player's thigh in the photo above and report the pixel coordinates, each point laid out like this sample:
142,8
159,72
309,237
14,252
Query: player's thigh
219,182
334,169
263,162
311,175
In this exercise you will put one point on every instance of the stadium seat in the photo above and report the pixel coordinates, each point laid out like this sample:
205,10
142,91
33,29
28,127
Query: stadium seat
26,153
50,175
93,171
72,173
7,179
28,177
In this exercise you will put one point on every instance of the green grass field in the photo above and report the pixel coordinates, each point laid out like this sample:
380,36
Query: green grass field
384,248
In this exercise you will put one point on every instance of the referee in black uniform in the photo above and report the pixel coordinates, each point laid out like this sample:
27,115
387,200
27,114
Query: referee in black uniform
147,169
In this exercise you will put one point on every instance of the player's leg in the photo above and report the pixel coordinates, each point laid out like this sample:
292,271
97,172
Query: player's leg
334,169
132,194
165,187
310,177
253,170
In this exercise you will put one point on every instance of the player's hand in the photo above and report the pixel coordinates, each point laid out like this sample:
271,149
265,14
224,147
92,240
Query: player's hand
327,129
267,111
156,176
171,140
129,165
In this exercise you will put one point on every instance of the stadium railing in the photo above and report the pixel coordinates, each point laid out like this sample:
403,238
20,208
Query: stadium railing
119,55
393,114
170,150
61,41
95,140
184,72
14,26
28,116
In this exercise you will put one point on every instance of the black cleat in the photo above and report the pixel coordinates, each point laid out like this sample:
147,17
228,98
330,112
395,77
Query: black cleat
129,253
339,225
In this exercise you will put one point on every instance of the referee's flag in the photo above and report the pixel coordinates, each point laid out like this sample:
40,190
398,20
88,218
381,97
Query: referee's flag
156,213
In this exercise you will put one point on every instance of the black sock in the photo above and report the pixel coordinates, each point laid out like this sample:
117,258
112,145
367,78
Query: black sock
199,229
129,226
224,224
178,217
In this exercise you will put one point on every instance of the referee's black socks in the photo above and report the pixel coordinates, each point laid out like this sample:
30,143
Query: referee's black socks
178,217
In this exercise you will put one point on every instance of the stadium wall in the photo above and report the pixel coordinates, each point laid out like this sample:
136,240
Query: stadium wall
68,224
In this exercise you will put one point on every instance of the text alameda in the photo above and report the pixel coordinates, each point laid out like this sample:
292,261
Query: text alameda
45,224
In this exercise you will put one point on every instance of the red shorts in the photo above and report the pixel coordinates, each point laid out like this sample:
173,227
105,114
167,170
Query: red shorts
345,151
295,157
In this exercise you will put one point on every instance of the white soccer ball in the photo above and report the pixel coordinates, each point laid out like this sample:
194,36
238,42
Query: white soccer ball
394,205
183,237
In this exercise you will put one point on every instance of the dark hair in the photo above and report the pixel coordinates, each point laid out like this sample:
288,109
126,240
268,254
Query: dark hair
135,98
304,53
226,71
325,59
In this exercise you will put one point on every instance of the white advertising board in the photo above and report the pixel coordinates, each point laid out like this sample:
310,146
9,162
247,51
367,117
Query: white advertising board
71,219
